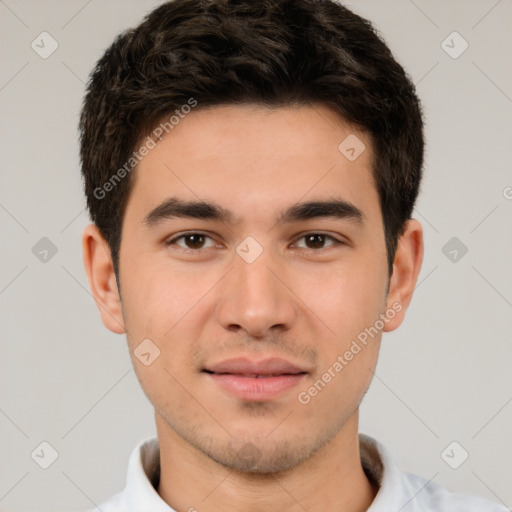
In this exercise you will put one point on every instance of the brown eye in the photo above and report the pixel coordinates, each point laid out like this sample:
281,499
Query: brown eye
318,241
193,241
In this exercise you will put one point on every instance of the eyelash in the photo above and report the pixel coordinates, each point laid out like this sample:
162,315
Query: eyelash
172,241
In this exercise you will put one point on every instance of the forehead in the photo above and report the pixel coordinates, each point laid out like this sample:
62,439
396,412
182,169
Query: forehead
255,159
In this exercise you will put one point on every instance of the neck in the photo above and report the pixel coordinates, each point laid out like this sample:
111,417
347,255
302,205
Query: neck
332,479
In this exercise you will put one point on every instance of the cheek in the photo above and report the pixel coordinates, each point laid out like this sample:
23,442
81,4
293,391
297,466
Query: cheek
169,306
153,301
159,306
350,304
348,385
347,300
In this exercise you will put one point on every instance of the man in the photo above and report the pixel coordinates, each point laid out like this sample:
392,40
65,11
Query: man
251,170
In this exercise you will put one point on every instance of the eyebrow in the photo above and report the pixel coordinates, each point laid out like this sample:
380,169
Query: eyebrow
174,207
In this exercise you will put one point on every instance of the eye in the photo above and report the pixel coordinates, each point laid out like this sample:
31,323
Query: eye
317,241
194,241
191,241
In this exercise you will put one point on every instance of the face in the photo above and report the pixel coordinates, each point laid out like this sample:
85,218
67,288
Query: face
266,311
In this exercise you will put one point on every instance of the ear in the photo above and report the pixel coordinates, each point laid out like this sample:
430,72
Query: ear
102,280
406,268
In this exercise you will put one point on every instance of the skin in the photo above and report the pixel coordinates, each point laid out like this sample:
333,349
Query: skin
299,301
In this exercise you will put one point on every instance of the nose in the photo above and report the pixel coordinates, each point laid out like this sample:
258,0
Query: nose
256,297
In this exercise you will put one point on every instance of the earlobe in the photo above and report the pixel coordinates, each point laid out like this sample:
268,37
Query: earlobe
406,268
102,280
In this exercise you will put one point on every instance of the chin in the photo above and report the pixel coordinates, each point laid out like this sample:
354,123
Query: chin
253,460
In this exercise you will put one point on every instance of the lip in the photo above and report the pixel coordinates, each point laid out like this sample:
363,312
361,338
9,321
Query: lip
244,366
255,380
258,389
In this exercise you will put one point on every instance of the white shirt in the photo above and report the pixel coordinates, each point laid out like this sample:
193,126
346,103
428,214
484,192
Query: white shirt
398,491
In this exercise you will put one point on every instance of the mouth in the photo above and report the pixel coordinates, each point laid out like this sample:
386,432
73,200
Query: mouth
255,375
255,381
257,388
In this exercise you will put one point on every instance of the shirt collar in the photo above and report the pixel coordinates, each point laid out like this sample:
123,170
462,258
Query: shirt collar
394,492
143,477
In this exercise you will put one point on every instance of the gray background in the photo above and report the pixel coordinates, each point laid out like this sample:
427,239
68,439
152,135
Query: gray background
443,376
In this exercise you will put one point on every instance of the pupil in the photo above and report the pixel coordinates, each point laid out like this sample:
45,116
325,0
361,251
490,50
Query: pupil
195,241
319,239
